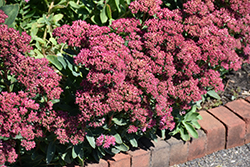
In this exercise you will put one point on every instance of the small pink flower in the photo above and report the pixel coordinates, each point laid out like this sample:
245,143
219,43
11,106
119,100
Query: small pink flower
109,140
100,140
132,129
28,144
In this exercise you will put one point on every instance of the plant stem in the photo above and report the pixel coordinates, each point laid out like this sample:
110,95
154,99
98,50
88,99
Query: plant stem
50,7
4,76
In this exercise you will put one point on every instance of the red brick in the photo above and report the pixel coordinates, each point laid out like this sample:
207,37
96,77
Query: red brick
102,163
178,151
119,160
235,127
215,131
140,158
160,152
197,147
242,109
248,98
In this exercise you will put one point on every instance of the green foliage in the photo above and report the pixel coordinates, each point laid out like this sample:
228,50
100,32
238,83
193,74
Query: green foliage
186,124
10,10
50,152
102,12
173,4
39,18
207,98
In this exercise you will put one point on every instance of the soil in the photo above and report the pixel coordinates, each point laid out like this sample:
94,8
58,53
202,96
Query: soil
236,85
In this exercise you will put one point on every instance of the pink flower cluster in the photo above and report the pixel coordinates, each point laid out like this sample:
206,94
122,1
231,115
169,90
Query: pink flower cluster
67,128
225,29
21,116
145,6
7,152
12,43
105,141
36,76
144,72
18,117
3,16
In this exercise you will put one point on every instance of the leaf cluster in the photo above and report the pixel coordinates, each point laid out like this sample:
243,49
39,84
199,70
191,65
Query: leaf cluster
186,124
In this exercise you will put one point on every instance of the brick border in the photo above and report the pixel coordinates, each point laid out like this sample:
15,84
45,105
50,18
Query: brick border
221,128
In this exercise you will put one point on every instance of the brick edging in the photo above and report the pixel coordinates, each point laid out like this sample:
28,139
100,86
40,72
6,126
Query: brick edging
221,128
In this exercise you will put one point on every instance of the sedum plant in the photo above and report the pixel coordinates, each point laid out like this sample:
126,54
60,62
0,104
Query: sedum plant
110,85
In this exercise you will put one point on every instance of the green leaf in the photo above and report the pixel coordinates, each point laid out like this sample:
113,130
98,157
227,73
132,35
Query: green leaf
91,139
190,129
103,15
53,59
4,138
41,21
19,136
163,132
74,153
184,134
153,136
176,130
11,11
122,147
191,116
53,41
132,140
128,1
33,30
50,152
196,124
35,156
57,17
2,3
54,101
77,151
101,150
118,138
199,117
81,154
109,12
193,109
66,157
46,20
73,4
213,94
38,39
97,155
109,151
29,15
119,121
198,104
62,61
117,2
115,151
95,19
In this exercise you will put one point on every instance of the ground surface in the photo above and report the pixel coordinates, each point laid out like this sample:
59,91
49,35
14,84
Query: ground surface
234,157
237,85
